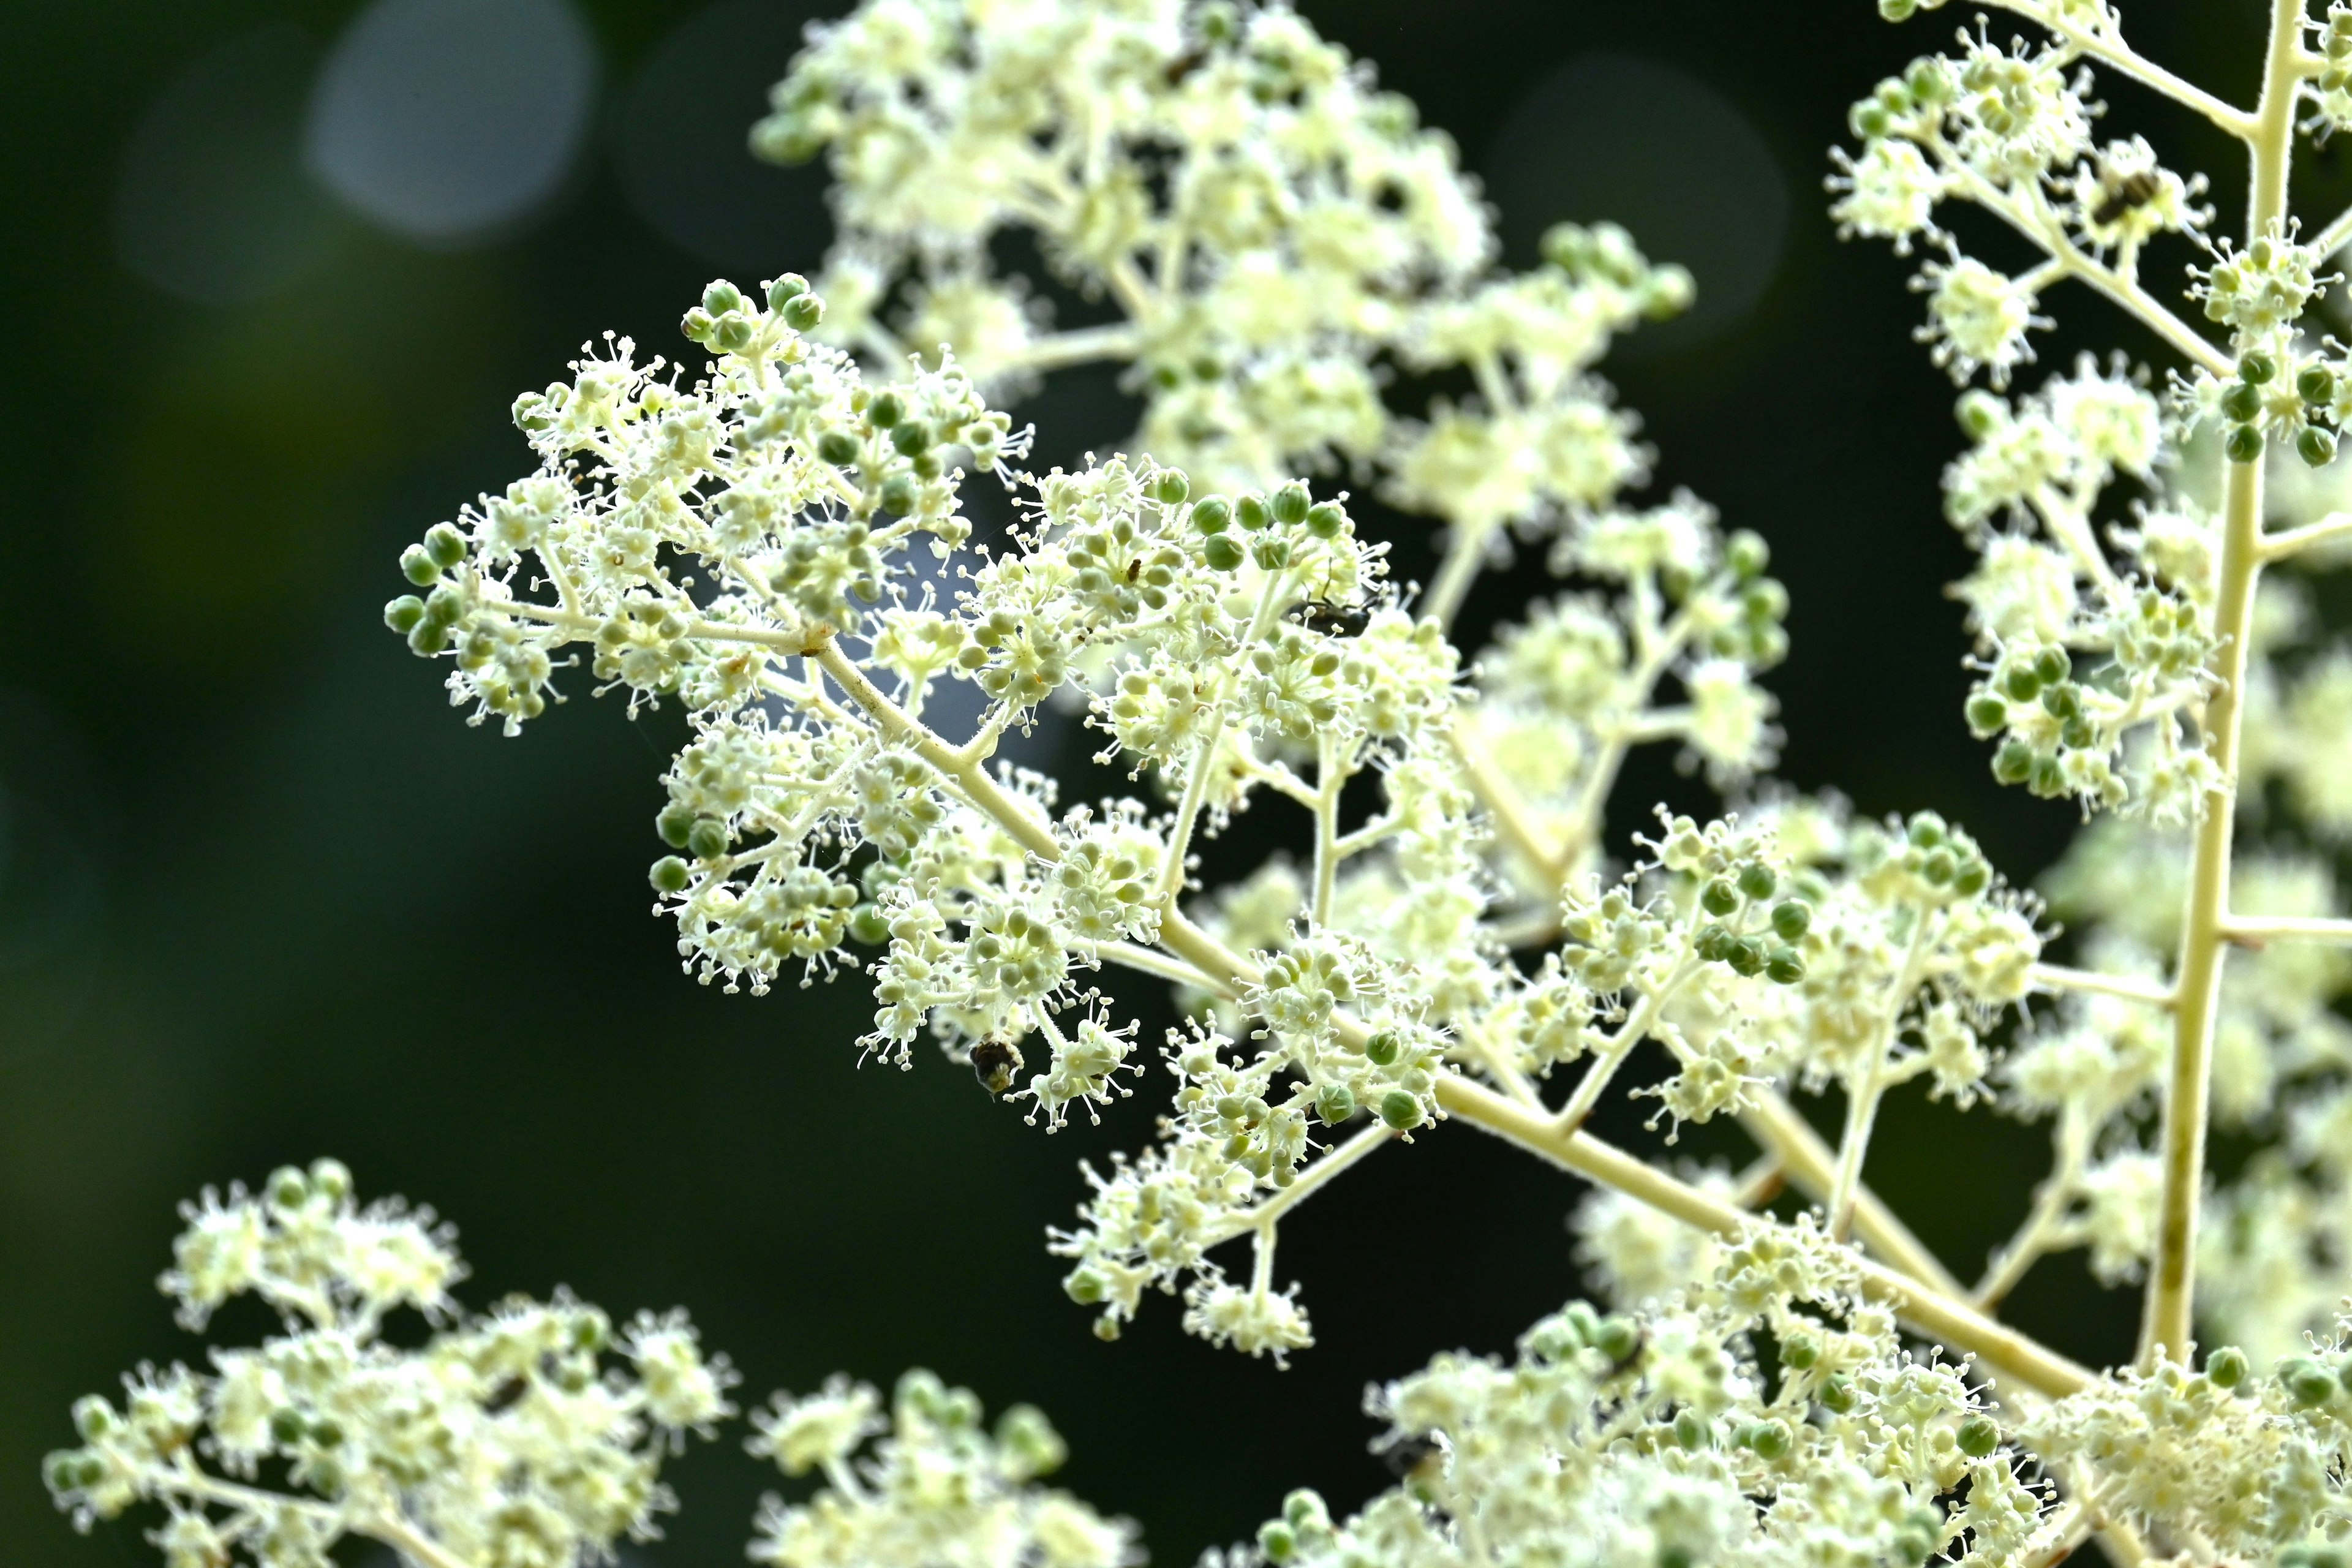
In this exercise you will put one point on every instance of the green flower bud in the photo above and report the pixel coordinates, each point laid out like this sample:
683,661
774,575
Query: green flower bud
732,332
670,875
911,438
1024,1432
2309,1383
1276,1540
1223,552
1290,504
2021,684
1325,520
2256,368
1746,555
695,325
2315,385
1250,512
722,297
402,614
801,312
838,448
1979,1437
331,1179
1692,1431
288,1188
94,1418
2316,445
286,1427
1987,714
2014,763
791,286
1799,1352
1085,1287
868,926
2052,664
900,494
1745,957
445,545
1784,967
2227,1367
1718,898
1897,10
1211,513
1170,487
1617,1338
1713,943
2241,402
1272,553
1335,1102
417,566
886,410
1757,881
1399,1109
1382,1048
65,1470
1767,1440
707,839
1978,412
1839,1396
673,823
1791,918
2243,444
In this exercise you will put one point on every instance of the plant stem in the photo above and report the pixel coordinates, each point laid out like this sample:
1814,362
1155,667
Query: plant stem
2166,1329
1929,1312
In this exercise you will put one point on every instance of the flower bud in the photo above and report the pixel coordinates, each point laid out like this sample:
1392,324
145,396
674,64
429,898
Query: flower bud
1718,898
670,875
2241,402
444,545
1746,555
2255,368
1210,514
722,297
2227,1367
1250,512
1325,520
1977,1437
417,566
801,312
781,291
2314,446
838,448
1382,1048
1170,487
1757,881
402,614
1223,552
1767,1440
2243,444
1791,918
2308,1383
1784,967
707,840
2316,385
1335,1102
886,410
1289,504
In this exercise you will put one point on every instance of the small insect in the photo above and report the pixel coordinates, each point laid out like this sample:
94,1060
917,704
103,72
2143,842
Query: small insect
1407,1455
2136,189
993,1063
505,1394
1333,620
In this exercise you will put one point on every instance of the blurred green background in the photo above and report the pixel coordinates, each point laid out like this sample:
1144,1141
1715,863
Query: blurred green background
271,274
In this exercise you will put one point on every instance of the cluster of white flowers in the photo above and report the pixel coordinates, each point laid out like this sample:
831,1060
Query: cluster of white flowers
931,1485
1454,935
528,1436
1269,229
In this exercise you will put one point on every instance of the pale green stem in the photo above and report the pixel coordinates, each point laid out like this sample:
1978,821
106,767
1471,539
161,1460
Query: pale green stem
2293,541
1310,1181
2111,51
1632,1032
1329,779
1862,1098
2253,930
1196,785
2034,1237
2167,1329
1930,1312
2058,977
1466,555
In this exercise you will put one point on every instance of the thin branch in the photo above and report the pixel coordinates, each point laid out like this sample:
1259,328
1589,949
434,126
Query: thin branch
2295,541
2131,988
1929,1312
2257,931
2120,58
1147,961
1311,1179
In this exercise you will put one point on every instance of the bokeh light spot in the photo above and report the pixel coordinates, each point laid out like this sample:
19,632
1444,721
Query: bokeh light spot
448,121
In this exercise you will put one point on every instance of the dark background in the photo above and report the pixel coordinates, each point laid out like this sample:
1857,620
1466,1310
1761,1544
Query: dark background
263,896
